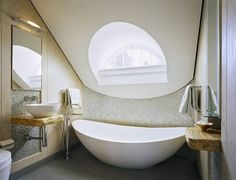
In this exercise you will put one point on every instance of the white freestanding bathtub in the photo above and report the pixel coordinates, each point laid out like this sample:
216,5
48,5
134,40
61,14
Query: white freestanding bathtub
129,146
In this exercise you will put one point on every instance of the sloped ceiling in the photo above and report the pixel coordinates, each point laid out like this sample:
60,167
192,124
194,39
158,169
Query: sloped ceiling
174,24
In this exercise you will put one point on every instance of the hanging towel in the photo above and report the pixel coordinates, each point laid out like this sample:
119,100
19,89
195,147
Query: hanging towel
70,101
212,101
63,101
196,98
190,98
74,100
183,108
74,95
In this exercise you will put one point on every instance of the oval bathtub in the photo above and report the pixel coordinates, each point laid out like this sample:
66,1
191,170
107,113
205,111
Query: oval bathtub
129,146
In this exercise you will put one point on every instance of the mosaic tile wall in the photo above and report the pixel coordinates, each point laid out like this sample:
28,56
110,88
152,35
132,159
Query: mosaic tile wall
161,111
23,148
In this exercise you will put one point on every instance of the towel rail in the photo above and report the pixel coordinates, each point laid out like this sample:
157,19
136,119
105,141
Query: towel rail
66,135
69,98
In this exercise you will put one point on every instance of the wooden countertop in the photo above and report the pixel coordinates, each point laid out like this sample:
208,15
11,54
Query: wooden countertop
200,140
35,122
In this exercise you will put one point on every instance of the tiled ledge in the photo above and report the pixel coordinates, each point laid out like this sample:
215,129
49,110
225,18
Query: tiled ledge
204,141
35,122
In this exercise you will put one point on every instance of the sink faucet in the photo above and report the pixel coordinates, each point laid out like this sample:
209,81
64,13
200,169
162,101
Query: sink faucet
31,98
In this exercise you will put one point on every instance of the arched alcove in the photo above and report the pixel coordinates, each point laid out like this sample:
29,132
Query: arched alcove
121,53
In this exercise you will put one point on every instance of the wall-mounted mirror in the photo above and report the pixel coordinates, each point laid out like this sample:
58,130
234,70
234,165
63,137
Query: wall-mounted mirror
26,60
213,58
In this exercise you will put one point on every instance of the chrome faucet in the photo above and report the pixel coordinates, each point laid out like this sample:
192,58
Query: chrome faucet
31,98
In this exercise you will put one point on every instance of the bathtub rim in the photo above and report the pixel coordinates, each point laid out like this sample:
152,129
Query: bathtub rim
127,142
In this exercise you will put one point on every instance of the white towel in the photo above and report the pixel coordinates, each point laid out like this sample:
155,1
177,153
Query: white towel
74,100
74,95
62,100
212,101
196,98
183,108
190,97
70,100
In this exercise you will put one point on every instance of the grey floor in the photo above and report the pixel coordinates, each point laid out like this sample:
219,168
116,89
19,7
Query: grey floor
83,166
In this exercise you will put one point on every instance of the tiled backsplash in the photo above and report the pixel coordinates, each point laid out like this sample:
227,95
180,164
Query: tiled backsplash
24,148
161,111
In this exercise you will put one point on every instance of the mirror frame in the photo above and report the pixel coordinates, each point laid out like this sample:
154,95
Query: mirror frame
39,35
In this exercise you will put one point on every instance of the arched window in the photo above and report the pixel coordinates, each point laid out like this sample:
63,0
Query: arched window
134,56
122,53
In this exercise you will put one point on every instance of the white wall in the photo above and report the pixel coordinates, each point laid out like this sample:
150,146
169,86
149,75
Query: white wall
59,73
27,39
173,24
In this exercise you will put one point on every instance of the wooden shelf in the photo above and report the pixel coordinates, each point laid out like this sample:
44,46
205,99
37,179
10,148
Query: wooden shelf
200,140
35,122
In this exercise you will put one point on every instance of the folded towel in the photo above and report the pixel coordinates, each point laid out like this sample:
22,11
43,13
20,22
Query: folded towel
212,101
190,98
7,142
70,101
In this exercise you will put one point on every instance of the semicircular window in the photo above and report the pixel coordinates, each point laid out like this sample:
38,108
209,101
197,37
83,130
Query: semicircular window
122,53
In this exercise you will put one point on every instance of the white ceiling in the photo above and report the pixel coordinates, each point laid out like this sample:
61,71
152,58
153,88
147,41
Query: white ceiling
174,24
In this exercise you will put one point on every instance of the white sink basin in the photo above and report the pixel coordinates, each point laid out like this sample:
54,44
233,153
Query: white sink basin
42,110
